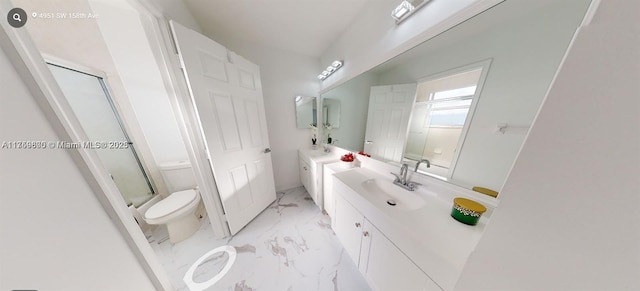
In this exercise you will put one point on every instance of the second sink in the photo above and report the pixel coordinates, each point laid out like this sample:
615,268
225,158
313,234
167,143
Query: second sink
383,191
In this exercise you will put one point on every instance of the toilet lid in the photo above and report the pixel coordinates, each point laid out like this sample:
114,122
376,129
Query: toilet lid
170,204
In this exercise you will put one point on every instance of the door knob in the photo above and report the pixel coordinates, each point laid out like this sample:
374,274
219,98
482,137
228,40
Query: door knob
267,150
357,224
366,233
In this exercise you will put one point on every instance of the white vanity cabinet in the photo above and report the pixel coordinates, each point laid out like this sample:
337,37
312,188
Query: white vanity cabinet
348,227
311,163
382,264
328,193
306,176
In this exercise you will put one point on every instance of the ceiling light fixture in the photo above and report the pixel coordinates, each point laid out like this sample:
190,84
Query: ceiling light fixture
406,8
330,70
402,9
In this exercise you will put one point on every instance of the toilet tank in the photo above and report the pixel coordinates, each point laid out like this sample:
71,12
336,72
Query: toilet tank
177,175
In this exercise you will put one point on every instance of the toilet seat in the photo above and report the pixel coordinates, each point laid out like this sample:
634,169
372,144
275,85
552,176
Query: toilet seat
173,206
188,277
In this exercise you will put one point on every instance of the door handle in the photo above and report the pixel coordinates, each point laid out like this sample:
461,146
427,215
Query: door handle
267,150
368,142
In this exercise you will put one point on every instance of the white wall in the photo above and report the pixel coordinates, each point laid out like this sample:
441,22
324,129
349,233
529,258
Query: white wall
525,55
173,9
126,40
55,234
373,37
568,217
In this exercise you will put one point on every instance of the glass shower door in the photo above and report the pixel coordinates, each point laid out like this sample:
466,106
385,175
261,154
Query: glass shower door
92,105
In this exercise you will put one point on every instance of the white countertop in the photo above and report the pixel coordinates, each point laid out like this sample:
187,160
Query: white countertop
428,235
318,155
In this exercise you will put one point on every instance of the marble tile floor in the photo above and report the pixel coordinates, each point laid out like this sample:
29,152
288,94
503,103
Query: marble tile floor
289,246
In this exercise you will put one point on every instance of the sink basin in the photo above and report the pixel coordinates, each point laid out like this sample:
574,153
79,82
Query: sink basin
383,191
316,153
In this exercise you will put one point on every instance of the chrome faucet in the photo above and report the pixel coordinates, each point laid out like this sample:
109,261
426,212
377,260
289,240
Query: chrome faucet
401,180
403,172
423,160
326,145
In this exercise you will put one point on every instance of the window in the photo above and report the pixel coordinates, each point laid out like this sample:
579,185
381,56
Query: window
439,117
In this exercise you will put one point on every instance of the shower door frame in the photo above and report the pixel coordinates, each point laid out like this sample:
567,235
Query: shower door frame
138,143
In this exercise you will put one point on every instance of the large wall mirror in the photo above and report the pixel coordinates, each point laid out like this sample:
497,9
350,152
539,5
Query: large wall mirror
464,100
331,112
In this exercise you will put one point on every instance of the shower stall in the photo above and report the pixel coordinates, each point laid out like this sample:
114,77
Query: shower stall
91,103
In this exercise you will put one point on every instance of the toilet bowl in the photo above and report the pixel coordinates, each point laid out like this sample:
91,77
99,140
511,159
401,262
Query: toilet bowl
178,212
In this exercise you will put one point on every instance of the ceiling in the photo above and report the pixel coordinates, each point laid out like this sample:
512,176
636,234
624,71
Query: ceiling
306,27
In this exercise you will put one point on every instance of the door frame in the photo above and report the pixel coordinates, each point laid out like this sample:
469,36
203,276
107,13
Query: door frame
160,38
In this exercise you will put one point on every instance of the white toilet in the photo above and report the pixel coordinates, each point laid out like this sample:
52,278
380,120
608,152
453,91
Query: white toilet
178,211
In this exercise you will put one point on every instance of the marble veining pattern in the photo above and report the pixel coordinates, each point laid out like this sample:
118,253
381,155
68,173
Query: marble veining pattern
289,246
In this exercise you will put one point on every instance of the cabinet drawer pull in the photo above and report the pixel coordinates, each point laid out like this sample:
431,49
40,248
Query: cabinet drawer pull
366,233
357,224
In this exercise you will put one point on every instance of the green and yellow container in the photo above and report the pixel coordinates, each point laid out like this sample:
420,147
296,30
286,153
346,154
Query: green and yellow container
467,211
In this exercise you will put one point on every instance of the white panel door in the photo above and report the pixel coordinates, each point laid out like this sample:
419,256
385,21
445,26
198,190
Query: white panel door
227,94
418,131
388,120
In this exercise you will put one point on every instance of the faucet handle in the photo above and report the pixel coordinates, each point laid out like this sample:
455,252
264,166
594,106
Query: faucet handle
412,185
398,179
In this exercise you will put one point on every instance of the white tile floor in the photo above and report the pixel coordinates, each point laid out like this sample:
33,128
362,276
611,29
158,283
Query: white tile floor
289,246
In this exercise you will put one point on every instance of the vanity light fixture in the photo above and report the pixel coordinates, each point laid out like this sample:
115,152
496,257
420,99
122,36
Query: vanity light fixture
402,9
330,70
406,8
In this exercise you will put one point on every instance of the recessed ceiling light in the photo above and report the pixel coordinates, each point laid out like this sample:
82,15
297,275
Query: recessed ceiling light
336,64
331,69
322,77
325,73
